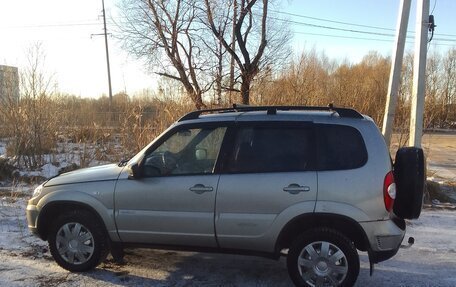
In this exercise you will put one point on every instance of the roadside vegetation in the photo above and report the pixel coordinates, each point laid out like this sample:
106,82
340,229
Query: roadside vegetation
43,117
44,127
208,54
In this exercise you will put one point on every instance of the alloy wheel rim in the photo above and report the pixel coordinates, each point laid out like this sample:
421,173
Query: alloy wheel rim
322,263
75,243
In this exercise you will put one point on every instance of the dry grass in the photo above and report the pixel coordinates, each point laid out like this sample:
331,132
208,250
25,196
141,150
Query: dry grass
434,190
53,124
41,121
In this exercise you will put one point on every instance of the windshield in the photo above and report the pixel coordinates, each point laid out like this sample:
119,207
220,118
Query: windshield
138,157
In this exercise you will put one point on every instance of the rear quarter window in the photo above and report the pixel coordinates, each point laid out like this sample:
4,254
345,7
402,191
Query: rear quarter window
340,147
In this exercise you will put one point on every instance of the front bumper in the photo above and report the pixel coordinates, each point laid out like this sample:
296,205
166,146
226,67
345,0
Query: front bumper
32,213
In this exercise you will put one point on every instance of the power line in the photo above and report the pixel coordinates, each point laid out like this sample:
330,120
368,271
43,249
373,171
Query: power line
330,21
343,23
435,3
343,37
58,25
75,24
330,27
362,38
347,30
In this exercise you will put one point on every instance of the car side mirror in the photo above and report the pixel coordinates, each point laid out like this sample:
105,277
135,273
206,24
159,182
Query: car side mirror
135,172
201,154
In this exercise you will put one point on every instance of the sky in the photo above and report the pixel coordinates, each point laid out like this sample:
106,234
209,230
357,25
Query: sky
77,62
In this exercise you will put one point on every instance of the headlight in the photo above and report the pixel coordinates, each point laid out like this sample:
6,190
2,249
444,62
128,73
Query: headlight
37,191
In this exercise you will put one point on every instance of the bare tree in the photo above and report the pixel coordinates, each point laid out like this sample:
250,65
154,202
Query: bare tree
218,52
250,35
30,121
449,83
433,90
164,34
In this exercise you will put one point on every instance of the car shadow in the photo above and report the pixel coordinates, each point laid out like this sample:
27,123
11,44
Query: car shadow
146,267
402,270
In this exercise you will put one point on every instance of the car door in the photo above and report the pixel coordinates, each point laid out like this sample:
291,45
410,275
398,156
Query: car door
271,168
173,201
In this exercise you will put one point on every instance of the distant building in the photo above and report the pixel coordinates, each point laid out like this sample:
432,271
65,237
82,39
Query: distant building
9,84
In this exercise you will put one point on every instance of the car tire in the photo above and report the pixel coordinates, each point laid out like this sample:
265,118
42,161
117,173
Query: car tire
322,257
77,241
410,176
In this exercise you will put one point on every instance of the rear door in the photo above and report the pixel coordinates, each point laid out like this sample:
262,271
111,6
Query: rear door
271,167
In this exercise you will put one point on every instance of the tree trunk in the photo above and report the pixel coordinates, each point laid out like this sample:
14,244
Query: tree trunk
197,99
219,74
233,48
245,90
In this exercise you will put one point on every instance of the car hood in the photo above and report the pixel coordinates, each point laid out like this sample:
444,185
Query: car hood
91,174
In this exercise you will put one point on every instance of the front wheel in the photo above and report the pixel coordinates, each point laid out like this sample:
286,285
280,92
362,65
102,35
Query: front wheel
77,241
323,257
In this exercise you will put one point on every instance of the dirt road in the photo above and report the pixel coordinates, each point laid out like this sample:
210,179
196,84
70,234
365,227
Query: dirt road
440,151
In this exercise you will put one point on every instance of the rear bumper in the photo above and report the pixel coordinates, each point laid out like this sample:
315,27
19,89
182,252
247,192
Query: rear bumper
379,256
385,237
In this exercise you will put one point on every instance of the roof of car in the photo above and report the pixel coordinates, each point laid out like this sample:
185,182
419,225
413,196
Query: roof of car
271,113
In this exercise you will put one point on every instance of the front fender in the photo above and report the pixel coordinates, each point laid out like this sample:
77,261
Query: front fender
99,199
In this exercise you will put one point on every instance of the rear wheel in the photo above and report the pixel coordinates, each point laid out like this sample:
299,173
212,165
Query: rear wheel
323,257
77,241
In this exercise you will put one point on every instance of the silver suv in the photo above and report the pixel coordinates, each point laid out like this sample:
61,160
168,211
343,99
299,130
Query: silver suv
314,184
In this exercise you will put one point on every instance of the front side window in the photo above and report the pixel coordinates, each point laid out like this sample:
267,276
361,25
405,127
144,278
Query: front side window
188,151
272,149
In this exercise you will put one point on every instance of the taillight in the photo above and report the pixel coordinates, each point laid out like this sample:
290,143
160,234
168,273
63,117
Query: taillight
389,191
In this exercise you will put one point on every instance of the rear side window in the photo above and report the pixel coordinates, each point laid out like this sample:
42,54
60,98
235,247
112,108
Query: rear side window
274,148
340,147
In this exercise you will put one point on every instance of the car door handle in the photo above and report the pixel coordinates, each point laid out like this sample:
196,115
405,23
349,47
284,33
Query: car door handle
296,188
200,188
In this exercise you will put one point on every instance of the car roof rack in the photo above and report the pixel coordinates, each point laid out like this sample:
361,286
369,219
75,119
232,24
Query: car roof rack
272,110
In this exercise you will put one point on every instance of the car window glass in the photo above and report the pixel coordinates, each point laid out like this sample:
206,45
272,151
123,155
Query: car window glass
271,149
340,147
178,141
188,151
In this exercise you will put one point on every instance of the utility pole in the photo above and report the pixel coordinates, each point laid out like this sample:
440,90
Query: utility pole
107,53
419,73
105,34
396,68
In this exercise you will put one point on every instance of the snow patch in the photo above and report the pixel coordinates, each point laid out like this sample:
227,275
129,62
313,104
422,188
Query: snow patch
47,171
25,260
2,149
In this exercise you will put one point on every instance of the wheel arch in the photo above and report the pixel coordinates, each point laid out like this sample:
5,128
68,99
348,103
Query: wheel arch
53,209
343,224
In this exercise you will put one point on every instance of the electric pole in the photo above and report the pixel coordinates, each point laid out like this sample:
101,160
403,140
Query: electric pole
107,53
105,34
396,68
419,73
